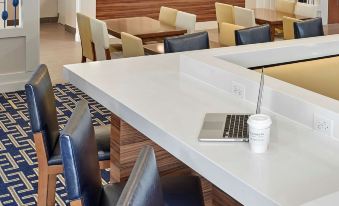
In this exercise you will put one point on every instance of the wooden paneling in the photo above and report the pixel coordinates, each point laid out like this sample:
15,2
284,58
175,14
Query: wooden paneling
126,142
204,9
333,11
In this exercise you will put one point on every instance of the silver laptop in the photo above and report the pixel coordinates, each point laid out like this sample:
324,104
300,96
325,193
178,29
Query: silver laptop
222,127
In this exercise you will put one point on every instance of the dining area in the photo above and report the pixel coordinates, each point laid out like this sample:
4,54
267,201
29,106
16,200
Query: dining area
169,103
233,26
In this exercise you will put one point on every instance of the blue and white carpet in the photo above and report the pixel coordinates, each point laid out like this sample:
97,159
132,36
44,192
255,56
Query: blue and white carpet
18,161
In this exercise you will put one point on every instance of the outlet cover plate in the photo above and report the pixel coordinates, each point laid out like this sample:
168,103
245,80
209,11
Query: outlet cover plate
323,125
238,90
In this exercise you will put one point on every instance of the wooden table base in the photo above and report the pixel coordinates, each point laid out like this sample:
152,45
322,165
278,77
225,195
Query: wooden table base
126,143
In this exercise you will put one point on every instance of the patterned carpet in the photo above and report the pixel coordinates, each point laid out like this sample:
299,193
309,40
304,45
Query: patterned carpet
18,162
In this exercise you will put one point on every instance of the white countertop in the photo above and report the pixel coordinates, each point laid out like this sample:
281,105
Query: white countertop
150,93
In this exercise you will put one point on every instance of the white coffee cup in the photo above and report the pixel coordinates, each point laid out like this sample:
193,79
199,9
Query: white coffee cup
259,132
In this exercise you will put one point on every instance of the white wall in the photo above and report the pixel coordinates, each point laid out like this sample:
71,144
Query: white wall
67,12
20,48
48,8
68,9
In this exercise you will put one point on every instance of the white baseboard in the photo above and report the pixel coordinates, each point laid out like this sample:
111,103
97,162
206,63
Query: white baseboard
14,81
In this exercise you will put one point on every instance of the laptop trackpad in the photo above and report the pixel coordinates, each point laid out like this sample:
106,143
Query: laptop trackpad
209,125
212,129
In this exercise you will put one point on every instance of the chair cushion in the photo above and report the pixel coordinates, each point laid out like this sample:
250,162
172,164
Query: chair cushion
102,136
110,194
182,191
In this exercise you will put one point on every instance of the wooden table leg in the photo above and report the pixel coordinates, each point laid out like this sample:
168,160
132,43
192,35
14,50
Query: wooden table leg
126,142
272,28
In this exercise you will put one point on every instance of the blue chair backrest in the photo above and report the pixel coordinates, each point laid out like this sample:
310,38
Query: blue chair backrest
80,157
41,107
308,28
189,42
143,187
253,35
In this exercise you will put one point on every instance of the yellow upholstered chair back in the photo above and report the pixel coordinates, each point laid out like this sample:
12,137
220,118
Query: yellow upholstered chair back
186,21
224,13
306,10
286,6
168,15
227,36
288,27
131,45
244,17
84,25
100,39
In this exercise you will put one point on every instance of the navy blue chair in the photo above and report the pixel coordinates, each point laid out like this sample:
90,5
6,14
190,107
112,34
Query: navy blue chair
308,28
188,42
144,186
253,35
43,118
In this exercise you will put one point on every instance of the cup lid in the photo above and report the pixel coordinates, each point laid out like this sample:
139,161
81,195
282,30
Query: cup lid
259,120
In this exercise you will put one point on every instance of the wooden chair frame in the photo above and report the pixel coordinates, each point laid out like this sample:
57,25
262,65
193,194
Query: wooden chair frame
47,173
107,52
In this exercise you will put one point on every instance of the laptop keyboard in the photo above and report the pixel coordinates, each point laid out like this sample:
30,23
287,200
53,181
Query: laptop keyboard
236,126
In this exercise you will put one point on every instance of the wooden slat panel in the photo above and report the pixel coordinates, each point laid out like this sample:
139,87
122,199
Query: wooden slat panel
204,9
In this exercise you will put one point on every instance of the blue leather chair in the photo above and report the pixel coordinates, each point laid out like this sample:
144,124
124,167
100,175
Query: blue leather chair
308,28
253,35
43,117
144,186
189,42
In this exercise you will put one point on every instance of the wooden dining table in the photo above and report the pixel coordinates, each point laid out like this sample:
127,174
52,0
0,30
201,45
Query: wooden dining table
272,17
146,28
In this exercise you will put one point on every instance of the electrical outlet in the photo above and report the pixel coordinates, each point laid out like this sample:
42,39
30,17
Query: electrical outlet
323,125
238,90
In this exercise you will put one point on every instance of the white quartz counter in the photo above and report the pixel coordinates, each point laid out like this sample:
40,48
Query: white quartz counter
157,96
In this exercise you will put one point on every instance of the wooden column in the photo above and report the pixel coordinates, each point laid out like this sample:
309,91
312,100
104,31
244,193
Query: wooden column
333,11
126,142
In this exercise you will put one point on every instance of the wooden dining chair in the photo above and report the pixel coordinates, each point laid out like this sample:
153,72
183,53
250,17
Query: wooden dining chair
186,21
43,118
87,45
224,13
244,17
306,10
100,39
288,27
84,26
227,36
285,6
168,15
131,45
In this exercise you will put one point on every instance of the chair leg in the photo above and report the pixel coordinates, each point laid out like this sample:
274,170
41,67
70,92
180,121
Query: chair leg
46,188
51,189
83,59
42,187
